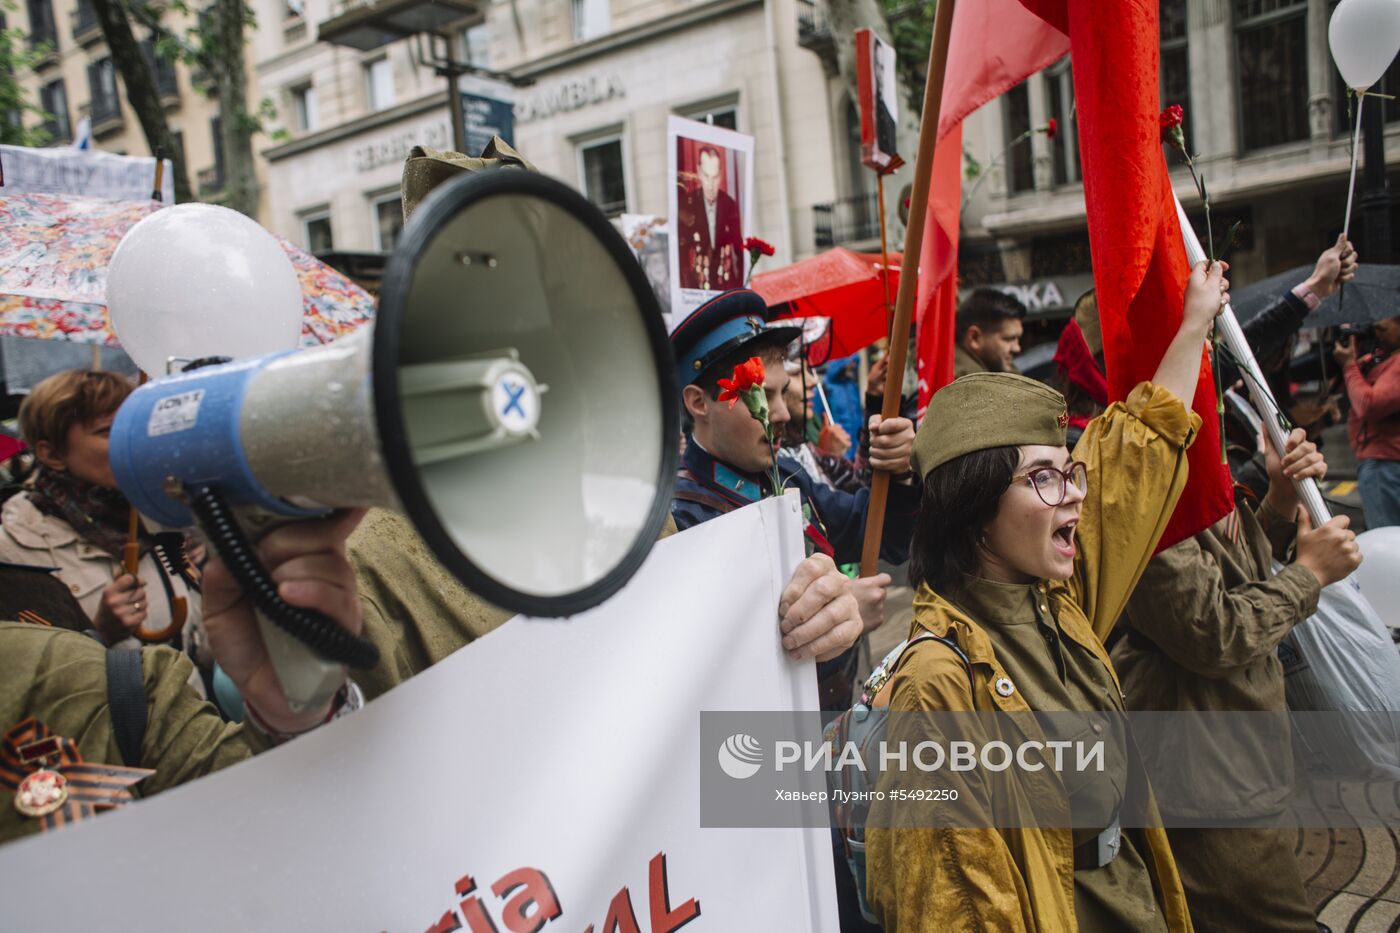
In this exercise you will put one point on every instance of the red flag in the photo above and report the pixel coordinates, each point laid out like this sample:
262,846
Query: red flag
994,45
1139,261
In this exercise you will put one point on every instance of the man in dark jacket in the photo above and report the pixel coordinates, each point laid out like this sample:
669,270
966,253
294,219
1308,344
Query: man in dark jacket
710,230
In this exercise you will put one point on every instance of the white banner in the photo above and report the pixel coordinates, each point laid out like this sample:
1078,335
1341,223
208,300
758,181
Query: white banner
92,172
545,778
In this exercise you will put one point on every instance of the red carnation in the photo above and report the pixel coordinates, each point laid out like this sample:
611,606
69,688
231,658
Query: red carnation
1170,122
757,247
1052,127
747,375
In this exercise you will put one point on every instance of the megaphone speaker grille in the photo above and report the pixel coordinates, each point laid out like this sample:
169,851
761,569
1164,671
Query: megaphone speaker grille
524,393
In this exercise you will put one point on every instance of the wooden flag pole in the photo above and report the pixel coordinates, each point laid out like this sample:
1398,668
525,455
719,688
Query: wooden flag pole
908,284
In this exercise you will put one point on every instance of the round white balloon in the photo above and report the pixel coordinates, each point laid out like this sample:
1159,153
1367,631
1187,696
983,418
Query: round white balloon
1379,573
197,280
1364,36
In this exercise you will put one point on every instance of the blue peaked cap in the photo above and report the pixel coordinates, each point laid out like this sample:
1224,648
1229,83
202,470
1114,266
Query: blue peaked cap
720,326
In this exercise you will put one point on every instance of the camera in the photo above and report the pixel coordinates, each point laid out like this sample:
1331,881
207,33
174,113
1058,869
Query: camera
1356,330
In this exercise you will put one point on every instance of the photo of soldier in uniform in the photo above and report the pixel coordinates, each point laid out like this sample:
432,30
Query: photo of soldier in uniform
710,175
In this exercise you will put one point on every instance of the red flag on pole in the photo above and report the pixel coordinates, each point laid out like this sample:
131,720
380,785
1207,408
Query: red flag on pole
994,45
1139,260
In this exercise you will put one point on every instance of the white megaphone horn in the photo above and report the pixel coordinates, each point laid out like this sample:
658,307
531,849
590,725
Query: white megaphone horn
515,400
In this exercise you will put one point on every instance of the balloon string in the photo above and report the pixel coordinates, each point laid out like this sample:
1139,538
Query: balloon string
1355,152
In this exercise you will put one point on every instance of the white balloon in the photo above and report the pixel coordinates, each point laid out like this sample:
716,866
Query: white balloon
197,280
1364,36
1379,573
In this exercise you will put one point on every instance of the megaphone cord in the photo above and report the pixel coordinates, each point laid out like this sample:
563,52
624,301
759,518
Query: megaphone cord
317,630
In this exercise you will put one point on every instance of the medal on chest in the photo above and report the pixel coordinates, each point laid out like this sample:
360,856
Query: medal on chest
52,783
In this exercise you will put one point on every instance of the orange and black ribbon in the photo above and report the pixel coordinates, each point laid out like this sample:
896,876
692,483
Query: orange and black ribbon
91,786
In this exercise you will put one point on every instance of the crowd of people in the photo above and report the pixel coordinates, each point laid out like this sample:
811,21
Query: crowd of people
1028,516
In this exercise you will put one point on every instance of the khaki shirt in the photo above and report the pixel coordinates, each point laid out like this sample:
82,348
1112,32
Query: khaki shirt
60,678
1204,626
415,611
930,879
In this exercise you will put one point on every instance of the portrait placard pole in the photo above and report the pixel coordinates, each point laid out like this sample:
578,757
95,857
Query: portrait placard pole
908,283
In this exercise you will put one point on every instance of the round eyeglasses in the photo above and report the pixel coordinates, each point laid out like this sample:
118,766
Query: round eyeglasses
1051,484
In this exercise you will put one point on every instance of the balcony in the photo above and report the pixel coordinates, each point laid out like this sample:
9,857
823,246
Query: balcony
849,220
211,181
814,34
106,114
86,28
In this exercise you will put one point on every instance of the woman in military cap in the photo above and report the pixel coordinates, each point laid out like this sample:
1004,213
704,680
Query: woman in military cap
1023,557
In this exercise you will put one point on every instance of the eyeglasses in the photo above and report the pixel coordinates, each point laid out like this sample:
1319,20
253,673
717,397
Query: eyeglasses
1051,484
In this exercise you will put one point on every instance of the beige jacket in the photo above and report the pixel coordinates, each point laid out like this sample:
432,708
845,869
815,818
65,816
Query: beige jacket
28,536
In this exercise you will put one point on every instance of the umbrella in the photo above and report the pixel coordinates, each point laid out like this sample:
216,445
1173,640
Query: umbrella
1372,296
54,252
845,286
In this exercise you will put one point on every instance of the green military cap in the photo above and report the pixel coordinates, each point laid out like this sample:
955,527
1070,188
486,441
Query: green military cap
426,168
985,410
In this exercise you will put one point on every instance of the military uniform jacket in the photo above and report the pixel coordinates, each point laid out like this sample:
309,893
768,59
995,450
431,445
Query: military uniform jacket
414,611
1204,625
708,487
60,678
1018,873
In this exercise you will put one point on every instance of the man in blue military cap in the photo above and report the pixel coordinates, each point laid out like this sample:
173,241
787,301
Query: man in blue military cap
728,463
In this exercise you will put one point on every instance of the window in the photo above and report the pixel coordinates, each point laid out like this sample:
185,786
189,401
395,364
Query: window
1271,49
1059,106
102,82
316,230
388,222
217,133
725,115
1176,70
42,28
604,182
1016,123
379,84
178,137
54,101
85,19
590,19
162,70
476,46
304,108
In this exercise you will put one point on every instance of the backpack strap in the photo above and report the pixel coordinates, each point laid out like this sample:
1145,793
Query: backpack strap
126,699
886,670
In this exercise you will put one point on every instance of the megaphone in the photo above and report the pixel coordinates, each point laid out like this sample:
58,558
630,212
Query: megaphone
515,399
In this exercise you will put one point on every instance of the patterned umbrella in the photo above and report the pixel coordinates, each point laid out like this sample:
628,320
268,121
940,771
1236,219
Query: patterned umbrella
54,251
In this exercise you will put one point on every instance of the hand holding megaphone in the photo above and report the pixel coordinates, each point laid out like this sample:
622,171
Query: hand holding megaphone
504,285
307,559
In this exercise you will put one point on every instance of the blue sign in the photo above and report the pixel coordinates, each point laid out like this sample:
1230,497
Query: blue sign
486,117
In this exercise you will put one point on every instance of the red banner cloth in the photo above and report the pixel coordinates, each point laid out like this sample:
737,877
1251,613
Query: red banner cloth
1140,263
994,45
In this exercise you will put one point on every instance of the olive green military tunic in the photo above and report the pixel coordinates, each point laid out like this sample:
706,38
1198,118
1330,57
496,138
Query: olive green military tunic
1204,625
60,678
414,610
1051,676
1018,873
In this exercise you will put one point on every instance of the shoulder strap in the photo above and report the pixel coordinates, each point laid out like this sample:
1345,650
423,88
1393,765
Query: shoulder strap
949,642
126,699
701,494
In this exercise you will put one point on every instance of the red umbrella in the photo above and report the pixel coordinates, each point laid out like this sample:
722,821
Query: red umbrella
845,286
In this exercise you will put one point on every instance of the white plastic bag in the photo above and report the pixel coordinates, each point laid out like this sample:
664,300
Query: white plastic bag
1342,660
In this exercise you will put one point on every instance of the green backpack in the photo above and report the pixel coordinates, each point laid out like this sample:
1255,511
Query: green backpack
864,724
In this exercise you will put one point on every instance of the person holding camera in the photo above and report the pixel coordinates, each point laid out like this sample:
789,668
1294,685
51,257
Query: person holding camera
1373,387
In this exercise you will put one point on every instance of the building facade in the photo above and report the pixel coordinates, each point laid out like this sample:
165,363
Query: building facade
78,79
590,85
1266,112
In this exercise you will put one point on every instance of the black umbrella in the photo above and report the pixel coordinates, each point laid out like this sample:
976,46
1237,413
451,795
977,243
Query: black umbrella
1372,296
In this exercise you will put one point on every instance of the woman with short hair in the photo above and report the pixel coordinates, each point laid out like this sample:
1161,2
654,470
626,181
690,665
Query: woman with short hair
1023,557
73,517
